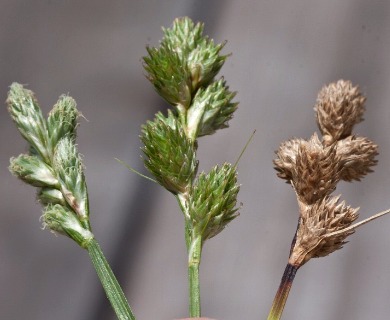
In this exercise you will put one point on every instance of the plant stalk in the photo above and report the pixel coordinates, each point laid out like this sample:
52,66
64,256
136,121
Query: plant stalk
111,286
194,255
282,293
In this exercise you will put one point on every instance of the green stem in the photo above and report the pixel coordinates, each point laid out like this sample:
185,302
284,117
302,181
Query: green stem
194,255
110,284
282,293
182,199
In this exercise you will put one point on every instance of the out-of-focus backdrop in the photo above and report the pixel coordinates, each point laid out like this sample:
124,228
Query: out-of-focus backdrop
283,53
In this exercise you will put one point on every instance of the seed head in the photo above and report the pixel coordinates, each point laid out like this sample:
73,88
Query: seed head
357,155
339,107
286,158
314,168
317,223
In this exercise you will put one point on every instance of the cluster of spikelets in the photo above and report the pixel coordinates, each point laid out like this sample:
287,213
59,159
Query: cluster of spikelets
52,164
183,70
314,167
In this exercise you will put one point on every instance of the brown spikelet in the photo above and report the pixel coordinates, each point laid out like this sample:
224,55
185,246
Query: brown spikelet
316,170
317,223
286,158
357,155
339,107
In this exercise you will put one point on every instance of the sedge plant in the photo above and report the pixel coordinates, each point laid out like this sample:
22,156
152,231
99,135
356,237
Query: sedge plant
54,166
183,70
313,168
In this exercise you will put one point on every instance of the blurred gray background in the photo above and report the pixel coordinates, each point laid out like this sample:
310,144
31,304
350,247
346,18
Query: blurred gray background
283,53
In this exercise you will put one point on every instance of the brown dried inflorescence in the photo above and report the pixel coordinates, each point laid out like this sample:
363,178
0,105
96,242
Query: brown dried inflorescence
316,235
316,170
339,107
287,154
314,167
357,155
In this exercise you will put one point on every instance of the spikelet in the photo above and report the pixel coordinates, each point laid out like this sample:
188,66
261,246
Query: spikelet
339,107
286,158
357,155
316,171
318,222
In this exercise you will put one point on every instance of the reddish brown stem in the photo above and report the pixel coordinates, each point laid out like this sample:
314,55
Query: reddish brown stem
282,293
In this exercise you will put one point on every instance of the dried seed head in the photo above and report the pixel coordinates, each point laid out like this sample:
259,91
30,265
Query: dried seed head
286,158
317,223
357,156
316,170
339,107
